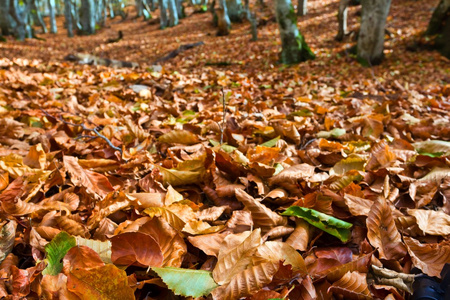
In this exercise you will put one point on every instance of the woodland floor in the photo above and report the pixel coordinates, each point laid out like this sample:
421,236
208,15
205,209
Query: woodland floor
330,135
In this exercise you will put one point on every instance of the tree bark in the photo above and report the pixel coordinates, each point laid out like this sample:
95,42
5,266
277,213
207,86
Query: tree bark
342,19
20,16
139,8
173,12
223,20
163,13
5,17
440,26
302,8
371,35
234,10
294,47
51,7
88,16
37,14
68,16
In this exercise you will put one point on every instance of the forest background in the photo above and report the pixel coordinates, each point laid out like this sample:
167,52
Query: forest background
169,153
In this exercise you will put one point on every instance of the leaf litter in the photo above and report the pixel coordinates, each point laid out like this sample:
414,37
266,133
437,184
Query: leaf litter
116,179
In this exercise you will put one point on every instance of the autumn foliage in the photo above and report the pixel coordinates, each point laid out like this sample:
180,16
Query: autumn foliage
204,182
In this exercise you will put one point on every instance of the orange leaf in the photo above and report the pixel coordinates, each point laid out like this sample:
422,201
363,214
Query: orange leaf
102,283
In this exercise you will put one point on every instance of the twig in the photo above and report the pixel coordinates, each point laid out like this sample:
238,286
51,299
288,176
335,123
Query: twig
94,130
222,127
175,52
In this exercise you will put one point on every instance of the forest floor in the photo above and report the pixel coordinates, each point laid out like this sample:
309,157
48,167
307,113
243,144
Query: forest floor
130,162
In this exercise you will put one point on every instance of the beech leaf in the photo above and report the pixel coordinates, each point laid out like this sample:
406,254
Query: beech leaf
56,250
329,224
186,282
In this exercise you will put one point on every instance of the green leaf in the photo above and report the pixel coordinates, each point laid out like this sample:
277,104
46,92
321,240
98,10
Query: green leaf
329,224
433,148
56,250
271,143
186,282
335,133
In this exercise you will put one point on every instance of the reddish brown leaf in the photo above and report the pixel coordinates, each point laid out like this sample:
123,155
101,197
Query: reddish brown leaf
135,248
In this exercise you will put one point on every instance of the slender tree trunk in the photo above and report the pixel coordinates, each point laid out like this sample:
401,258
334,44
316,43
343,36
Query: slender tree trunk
342,19
88,16
180,9
234,9
163,13
302,8
58,7
51,7
173,12
251,17
5,17
440,26
371,34
35,5
68,15
139,8
224,22
294,47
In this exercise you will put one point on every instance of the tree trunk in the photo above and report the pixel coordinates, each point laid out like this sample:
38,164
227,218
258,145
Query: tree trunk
440,26
180,9
223,19
302,8
139,8
68,15
163,13
51,7
234,10
173,12
222,24
20,15
88,16
251,17
35,5
5,17
371,35
342,19
294,47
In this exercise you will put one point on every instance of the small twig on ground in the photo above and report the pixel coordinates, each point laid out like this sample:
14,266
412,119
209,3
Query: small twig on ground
175,52
222,127
94,130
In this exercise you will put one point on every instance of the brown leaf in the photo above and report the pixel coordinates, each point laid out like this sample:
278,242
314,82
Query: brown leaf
430,258
262,216
246,282
81,257
380,156
358,206
299,239
382,231
279,251
232,261
93,182
353,285
431,222
172,245
292,175
135,248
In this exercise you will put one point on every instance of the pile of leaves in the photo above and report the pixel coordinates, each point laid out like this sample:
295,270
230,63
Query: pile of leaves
223,175
119,184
